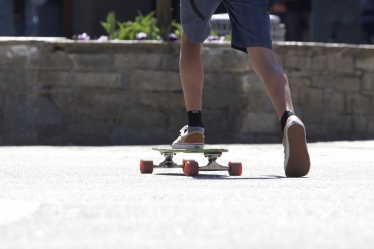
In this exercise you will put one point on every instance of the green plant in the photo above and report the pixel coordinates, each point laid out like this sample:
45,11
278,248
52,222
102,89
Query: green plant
212,33
145,24
110,25
177,29
228,37
142,24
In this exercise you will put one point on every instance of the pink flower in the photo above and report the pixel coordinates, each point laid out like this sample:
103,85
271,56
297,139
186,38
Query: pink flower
83,37
212,38
173,37
141,36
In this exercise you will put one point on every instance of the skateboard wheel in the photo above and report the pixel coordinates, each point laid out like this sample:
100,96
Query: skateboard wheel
235,169
184,161
191,168
146,167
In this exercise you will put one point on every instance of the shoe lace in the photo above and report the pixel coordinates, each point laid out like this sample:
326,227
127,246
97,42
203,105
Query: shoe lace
184,130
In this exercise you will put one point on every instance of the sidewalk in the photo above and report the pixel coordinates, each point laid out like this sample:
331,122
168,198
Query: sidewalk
95,197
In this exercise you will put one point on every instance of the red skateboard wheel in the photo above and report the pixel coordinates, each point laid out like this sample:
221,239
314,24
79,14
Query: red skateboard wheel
235,169
184,161
146,167
191,168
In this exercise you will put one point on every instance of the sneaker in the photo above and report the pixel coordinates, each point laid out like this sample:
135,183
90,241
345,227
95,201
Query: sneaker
189,140
297,161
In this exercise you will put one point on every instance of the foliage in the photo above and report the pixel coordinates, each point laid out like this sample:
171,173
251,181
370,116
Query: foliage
141,24
228,37
214,37
110,25
147,26
177,29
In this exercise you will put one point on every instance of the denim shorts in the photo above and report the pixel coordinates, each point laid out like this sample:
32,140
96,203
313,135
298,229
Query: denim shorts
249,19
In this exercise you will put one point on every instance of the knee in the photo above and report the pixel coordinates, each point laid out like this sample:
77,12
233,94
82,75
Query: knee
188,44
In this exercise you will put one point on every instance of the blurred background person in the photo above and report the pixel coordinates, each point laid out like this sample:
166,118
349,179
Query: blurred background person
19,17
336,21
368,20
297,19
279,9
51,18
25,20
295,15
6,18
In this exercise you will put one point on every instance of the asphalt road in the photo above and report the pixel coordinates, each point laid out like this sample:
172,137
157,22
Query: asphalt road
95,197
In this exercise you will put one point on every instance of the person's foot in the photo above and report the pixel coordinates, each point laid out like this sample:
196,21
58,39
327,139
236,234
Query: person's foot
297,161
189,140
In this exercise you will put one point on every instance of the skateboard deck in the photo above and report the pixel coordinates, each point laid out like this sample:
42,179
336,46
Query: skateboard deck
190,166
205,150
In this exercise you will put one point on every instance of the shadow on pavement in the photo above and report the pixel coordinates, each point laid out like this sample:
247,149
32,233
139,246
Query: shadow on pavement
224,177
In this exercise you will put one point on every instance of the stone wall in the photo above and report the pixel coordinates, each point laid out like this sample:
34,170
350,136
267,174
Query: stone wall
60,92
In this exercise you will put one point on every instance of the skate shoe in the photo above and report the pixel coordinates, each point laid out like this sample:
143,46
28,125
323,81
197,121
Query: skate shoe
189,140
297,161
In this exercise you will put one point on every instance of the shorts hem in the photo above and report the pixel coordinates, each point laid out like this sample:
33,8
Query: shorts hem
189,36
244,48
193,41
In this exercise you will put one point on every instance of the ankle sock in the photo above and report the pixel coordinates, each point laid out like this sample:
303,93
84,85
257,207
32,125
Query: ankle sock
284,118
195,122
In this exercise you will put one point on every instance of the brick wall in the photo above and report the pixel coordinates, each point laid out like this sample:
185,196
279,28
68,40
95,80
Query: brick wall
61,92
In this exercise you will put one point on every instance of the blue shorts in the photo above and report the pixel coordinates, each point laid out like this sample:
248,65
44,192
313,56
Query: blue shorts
249,19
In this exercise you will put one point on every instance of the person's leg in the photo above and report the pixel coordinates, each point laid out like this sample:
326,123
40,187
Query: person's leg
192,74
195,17
275,80
251,33
297,161
192,77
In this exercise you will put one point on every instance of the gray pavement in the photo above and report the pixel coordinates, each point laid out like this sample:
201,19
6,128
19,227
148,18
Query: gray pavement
95,197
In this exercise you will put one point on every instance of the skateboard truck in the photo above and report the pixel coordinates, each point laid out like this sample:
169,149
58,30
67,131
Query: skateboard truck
191,167
168,162
211,166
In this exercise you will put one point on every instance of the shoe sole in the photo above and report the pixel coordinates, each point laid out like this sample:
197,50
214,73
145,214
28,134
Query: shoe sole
298,164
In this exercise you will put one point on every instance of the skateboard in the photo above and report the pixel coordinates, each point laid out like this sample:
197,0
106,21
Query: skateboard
190,166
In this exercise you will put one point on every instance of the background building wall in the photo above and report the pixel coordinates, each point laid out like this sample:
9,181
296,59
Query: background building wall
63,92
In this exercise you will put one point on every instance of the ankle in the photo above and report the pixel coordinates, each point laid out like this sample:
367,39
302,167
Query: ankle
195,118
284,118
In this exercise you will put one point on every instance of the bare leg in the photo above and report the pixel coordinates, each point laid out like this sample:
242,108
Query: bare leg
275,80
192,74
297,161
